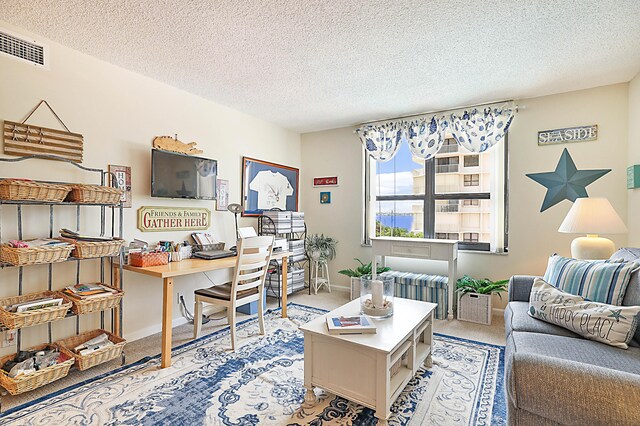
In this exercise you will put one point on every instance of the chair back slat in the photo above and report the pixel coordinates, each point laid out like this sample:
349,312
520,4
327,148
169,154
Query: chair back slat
252,263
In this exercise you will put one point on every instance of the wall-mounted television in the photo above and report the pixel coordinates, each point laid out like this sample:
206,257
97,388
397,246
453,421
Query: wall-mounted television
175,175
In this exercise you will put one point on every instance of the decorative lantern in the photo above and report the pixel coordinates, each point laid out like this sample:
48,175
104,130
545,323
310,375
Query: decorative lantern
376,296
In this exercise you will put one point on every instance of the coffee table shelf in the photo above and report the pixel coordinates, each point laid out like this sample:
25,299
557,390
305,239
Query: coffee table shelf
359,367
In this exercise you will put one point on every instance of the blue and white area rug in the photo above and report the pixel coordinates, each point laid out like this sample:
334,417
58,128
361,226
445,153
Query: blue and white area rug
262,383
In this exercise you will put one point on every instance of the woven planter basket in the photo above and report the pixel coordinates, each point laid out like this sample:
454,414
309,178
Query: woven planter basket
143,260
14,320
94,194
34,255
95,358
88,250
28,382
84,306
26,190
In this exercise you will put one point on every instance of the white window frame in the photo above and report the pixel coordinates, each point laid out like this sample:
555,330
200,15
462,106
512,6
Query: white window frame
498,191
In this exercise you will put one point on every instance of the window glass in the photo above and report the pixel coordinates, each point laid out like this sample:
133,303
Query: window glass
400,219
403,175
471,160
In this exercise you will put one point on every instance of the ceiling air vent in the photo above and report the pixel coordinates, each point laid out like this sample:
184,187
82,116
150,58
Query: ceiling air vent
23,49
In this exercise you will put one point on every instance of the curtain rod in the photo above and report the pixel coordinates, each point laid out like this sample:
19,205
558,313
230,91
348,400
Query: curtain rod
436,112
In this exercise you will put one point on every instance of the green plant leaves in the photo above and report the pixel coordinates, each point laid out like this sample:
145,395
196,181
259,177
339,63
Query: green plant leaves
468,284
363,269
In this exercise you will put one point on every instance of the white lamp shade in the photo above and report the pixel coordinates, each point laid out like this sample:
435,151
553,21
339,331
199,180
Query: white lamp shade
592,216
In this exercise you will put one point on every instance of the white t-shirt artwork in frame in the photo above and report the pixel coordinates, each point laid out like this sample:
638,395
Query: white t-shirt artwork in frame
272,188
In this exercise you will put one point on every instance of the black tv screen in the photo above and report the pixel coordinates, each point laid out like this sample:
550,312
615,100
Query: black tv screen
176,175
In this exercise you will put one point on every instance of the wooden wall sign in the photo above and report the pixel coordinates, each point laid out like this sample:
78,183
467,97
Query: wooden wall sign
568,134
162,219
23,139
326,181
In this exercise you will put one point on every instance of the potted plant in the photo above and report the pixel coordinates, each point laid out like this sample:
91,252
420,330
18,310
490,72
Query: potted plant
356,273
320,248
474,298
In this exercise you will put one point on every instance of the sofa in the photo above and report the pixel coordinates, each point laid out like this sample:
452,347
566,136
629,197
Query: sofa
554,376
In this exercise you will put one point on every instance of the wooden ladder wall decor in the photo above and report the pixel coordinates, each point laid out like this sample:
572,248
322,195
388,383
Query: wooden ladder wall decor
24,139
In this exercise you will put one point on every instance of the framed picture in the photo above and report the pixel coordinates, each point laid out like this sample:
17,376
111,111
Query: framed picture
325,198
267,186
123,181
222,194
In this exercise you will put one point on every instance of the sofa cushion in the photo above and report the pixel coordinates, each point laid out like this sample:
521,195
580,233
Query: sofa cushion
632,295
584,351
516,318
597,280
572,381
613,325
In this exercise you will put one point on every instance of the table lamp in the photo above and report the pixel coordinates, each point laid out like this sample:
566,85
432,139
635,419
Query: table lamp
592,216
235,208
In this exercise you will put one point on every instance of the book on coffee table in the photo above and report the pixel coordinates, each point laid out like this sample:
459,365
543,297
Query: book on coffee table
357,324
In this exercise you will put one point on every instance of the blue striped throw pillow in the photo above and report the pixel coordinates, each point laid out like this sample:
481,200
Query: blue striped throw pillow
596,280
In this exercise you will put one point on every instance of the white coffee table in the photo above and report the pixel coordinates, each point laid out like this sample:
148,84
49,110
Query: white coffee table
358,367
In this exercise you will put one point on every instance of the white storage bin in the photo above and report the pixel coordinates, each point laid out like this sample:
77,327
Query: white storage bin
474,307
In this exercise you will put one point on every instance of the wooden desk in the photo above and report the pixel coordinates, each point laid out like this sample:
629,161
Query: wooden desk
419,248
188,267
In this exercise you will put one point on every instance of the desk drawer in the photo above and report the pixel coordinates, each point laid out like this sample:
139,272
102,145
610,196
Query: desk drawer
411,250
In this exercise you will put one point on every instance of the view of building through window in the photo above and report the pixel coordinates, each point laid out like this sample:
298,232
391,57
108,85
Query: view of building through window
401,199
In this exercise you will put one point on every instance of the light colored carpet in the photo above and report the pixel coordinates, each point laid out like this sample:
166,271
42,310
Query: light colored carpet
150,345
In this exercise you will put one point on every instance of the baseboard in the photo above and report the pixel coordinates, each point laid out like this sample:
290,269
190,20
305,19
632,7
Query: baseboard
148,331
498,312
340,288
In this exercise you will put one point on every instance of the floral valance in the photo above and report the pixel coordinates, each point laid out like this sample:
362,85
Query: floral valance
475,130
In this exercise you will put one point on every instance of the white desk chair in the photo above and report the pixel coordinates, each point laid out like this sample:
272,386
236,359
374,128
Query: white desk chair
247,286
319,275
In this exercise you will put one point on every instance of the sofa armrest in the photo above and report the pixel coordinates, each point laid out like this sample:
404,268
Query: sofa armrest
520,288
574,393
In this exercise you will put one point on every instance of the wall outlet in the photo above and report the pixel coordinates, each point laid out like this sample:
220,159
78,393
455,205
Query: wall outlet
9,338
180,295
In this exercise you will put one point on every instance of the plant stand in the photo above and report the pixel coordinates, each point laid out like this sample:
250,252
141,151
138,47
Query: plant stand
319,276
474,307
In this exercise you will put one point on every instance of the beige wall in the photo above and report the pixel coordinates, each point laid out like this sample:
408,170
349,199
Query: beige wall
533,235
634,158
119,113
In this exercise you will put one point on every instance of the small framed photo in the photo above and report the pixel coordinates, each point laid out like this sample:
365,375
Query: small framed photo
122,175
325,198
222,194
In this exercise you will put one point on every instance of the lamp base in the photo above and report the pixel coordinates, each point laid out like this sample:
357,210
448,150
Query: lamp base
592,247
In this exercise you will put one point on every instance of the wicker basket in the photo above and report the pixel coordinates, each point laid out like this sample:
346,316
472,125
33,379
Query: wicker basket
143,260
13,320
28,190
98,357
97,304
94,194
34,255
87,250
27,382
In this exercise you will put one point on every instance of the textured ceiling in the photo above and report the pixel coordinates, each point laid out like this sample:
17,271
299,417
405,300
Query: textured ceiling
311,65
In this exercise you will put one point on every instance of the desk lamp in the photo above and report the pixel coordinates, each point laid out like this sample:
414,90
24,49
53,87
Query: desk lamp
592,216
235,208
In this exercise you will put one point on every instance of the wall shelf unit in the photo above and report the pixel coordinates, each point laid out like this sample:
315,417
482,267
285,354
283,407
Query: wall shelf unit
109,214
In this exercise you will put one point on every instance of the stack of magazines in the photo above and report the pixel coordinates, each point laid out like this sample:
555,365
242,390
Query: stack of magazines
32,305
90,346
89,291
67,233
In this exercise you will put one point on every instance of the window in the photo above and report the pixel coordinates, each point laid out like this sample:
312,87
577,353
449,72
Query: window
470,237
471,160
471,180
410,197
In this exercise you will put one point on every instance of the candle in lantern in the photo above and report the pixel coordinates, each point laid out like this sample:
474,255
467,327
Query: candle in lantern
377,293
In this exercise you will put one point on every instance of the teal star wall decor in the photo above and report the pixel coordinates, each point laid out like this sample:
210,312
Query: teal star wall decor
566,182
